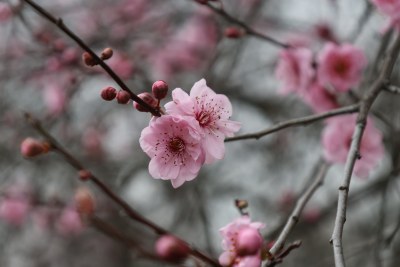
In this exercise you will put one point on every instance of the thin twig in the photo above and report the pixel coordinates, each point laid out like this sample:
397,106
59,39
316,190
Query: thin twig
250,31
301,203
60,24
297,122
133,214
353,154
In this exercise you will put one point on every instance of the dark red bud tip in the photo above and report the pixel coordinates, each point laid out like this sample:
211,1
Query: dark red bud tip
233,32
31,147
147,98
170,248
107,53
88,59
159,89
203,2
123,97
108,93
84,175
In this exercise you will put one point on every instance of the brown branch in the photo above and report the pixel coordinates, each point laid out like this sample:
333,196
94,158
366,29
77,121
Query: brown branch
60,24
250,31
303,121
133,214
365,106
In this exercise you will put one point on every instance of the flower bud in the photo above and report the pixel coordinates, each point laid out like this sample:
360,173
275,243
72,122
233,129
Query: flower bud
249,241
31,147
233,32
159,89
84,175
84,201
170,248
147,98
88,59
107,53
108,93
123,97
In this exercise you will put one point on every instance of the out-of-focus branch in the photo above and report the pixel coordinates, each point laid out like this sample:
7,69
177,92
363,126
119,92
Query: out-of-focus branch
250,31
353,155
60,24
392,89
294,216
133,214
297,122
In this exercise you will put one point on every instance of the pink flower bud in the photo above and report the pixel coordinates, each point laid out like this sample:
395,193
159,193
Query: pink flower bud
84,201
123,97
88,59
14,211
171,249
148,98
31,147
249,241
159,89
69,222
233,32
108,93
84,175
107,53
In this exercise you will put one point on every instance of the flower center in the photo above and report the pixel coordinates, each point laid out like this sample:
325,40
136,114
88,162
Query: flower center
203,118
176,145
341,67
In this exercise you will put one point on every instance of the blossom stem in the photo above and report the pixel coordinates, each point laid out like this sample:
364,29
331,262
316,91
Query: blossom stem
60,24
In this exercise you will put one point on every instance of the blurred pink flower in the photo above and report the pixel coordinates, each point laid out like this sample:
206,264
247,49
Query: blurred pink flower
14,210
336,140
5,12
173,143
212,112
390,8
340,66
55,99
295,70
319,98
231,256
69,222
121,65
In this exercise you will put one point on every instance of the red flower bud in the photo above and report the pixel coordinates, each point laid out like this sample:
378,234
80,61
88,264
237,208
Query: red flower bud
147,98
170,248
84,175
107,53
31,147
123,97
84,201
108,93
88,59
249,241
159,89
233,32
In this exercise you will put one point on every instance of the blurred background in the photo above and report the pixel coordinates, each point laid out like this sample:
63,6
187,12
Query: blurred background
182,41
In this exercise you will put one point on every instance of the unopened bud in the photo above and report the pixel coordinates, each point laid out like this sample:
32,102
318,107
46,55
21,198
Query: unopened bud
249,241
108,93
123,97
107,53
84,175
84,201
88,59
31,147
170,248
233,32
147,98
159,89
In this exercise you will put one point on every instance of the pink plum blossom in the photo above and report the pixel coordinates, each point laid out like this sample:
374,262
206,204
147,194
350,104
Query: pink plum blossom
231,233
336,140
122,65
211,111
340,66
14,210
295,70
69,222
319,98
174,144
55,99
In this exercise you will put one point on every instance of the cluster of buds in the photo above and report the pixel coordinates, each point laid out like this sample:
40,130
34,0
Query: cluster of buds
110,93
159,91
31,147
90,61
